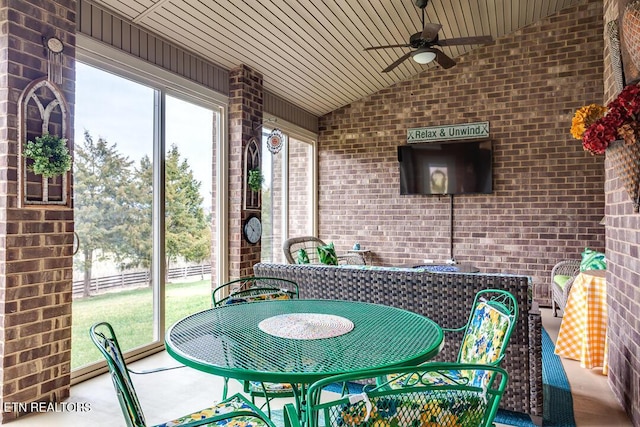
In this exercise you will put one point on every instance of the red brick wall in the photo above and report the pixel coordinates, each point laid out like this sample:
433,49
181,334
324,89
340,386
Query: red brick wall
623,275
245,113
547,192
35,254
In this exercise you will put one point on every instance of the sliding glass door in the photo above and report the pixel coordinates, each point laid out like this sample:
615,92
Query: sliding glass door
143,206
113,188
188,207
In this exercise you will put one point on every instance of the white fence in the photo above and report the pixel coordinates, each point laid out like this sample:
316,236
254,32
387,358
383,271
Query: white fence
138,278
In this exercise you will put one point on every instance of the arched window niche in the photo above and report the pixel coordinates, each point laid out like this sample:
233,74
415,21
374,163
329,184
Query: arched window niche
252,162
42,109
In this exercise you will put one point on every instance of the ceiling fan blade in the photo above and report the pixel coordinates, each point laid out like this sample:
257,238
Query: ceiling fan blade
430,31
387,47
397,62
465,40
442,59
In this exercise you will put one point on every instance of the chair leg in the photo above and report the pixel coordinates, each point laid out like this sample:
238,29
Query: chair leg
266,398
554,307
225,388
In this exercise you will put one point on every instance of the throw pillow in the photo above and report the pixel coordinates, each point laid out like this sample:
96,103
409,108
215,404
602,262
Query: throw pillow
561,280
303,257
592,260
327,254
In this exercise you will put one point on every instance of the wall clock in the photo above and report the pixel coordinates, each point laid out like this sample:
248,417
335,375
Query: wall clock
252,229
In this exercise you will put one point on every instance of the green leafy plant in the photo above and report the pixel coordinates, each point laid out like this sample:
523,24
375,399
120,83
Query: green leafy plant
50,155
255,179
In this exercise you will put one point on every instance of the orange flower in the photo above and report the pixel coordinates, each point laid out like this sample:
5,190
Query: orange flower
585,117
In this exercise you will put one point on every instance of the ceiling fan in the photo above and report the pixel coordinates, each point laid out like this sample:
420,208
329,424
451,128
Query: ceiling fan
424,41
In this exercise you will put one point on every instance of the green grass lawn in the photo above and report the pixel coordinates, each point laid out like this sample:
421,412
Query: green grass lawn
131,315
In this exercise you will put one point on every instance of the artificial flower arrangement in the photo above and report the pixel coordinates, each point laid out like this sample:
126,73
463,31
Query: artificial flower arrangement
599,126
50,155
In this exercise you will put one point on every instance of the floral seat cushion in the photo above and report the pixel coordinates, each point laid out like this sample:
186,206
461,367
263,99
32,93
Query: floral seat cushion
484,339
436,409
271,388
483,343
253,295
234,403
452,377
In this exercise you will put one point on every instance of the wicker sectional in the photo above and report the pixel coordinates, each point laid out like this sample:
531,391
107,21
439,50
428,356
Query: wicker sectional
443,297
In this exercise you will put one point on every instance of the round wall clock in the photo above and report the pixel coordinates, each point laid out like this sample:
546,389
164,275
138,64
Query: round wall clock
252,229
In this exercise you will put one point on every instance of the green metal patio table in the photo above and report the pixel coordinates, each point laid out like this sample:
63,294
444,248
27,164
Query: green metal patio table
231,341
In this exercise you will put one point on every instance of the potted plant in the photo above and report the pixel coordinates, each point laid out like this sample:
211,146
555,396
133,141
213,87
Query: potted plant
255,179
50,155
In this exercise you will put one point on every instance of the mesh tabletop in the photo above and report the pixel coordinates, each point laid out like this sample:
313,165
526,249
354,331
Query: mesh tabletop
227,341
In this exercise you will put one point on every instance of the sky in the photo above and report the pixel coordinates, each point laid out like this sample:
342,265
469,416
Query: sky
121,112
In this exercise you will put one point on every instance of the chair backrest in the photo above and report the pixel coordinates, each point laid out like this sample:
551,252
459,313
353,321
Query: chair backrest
104,338
251,289
304,250
488,330
454,402
309,244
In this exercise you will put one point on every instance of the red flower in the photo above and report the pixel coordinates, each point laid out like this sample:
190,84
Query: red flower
622,111
598,136
627,103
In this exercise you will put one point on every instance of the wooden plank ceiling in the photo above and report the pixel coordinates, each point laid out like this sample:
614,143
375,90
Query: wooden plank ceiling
311,53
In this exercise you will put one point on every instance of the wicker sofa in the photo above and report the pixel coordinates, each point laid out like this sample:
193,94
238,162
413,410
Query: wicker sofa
443,297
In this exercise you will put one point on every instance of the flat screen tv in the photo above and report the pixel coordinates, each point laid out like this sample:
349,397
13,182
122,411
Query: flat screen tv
446,168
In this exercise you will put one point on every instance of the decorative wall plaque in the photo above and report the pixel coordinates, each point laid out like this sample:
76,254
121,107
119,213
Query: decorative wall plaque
42,109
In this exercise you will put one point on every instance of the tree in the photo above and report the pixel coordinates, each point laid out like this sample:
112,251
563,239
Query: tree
188,234
102,200
187,229
140,235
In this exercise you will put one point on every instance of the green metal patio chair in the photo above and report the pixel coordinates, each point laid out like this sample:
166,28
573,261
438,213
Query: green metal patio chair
454,402
253,289
250,290
486,334
236,410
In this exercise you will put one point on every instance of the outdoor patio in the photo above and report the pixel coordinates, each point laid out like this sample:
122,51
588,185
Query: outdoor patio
594,404
190,133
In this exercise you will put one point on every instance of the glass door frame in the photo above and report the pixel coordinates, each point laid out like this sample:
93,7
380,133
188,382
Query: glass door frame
109,59
290,131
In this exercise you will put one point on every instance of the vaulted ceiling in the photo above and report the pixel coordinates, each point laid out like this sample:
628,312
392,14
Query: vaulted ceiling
311,53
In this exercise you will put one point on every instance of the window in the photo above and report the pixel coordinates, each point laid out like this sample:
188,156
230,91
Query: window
288,201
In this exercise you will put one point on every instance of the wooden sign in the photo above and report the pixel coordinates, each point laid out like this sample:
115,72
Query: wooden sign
478,130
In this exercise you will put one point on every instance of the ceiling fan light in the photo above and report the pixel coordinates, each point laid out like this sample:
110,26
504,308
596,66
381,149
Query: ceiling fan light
424,56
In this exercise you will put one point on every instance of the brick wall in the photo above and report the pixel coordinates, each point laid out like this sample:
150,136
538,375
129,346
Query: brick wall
245,113
623,275
35,255
547,192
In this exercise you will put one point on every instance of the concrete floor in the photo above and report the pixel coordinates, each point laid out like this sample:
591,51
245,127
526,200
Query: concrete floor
170,394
